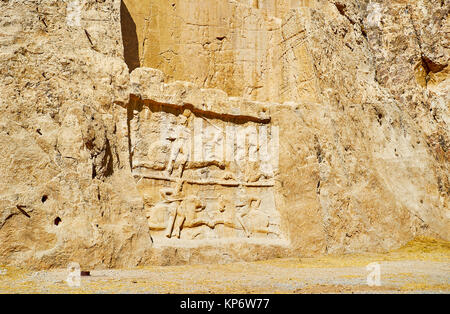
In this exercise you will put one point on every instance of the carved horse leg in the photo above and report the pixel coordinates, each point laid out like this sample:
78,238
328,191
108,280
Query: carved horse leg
171,222
241,221
179,220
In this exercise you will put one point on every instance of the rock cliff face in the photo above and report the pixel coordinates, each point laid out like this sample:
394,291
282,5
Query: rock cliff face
190,131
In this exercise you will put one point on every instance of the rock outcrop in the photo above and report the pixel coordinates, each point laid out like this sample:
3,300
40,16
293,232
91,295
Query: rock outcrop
165,132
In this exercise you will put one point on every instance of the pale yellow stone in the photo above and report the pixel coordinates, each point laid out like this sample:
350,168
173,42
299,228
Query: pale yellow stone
115,129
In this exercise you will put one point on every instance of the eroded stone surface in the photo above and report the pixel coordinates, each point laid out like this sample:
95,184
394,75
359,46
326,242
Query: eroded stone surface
324,128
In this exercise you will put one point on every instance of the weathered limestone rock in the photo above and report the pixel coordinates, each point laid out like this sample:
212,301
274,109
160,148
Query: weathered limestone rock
60,172
187,131
241,47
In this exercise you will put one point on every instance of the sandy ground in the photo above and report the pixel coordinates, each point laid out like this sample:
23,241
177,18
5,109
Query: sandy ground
423,266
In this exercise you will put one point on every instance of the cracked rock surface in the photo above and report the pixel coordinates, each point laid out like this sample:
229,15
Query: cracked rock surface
358,89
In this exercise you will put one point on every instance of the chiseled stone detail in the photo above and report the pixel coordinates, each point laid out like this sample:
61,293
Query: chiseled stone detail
138,132
205,164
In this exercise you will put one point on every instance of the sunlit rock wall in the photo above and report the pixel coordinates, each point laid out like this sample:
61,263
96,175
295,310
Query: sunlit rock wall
323,129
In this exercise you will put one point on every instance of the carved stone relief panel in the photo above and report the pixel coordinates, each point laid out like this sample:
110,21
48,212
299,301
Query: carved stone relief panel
204,175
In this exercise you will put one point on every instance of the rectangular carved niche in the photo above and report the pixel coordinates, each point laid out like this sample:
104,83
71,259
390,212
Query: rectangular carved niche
204,175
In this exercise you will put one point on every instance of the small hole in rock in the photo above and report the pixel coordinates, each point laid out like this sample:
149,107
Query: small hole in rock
57,221
44,198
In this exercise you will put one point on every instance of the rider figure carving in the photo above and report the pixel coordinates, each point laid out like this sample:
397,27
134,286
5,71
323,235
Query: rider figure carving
244,205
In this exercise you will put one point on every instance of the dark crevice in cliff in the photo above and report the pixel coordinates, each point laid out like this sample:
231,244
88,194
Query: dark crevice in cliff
129,38
107,162
21,209
129,118
57,221
178,110
318,148
431,66
6,219
106,167
342,8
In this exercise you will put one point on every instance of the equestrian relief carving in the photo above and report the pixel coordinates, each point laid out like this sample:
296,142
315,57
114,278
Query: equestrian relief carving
203,175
